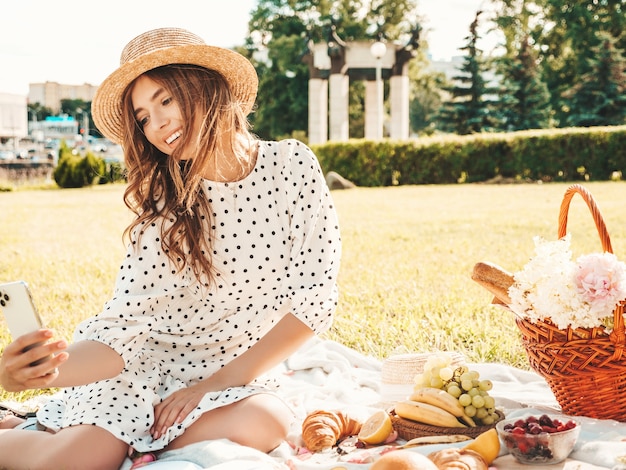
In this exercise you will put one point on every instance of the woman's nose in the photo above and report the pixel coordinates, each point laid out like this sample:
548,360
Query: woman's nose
160,120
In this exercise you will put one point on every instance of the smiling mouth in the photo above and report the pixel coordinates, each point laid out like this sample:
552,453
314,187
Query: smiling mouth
173,137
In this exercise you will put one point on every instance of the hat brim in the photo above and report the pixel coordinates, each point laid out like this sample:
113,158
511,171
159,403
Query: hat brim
106,107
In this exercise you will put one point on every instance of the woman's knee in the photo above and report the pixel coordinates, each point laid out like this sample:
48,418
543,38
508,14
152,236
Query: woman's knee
260,421
270,422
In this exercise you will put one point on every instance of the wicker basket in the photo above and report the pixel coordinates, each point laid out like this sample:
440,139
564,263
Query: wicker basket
584,367
408,429
402,368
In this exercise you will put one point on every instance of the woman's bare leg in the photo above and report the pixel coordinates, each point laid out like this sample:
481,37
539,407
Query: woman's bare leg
9,421
260,421
73,448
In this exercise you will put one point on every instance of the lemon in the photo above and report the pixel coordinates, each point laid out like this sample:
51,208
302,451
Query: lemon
376,428
487,445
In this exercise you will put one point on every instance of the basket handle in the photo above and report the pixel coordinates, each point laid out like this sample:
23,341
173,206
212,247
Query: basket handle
595,212
618,335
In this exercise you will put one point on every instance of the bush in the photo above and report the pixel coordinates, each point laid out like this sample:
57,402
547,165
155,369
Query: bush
547,155
75,171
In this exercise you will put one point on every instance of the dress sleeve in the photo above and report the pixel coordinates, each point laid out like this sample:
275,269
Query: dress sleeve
146,288
310,291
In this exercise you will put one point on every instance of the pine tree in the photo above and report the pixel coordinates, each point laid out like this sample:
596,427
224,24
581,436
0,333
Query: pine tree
599,97
470,108
524,97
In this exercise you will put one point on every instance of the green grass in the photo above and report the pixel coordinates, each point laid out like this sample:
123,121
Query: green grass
408,253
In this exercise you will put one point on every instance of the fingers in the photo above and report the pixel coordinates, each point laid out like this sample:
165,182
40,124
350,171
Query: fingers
174,409
31,361
28,340
39,353
165,415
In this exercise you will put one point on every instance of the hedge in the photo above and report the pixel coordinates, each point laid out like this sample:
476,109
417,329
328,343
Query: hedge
596,153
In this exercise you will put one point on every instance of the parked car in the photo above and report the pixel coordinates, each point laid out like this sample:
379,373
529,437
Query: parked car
6,155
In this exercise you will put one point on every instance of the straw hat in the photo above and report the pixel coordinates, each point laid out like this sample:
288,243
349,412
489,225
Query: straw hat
166,46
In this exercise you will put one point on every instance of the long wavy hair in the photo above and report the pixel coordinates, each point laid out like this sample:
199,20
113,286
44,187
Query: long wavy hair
170,187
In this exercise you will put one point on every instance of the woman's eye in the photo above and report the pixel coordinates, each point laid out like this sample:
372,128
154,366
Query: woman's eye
142,122
167,101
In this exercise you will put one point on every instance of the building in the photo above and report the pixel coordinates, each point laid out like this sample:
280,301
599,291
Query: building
13,117
50,94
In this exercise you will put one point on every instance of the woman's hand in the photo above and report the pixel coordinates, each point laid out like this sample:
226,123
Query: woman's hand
31,361
175,408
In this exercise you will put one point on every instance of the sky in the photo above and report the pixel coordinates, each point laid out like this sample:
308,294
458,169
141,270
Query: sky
76,42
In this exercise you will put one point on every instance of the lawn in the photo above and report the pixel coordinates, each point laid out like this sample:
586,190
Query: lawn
408,254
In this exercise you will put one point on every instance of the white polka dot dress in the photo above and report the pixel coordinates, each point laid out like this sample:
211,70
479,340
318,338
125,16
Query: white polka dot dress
277,250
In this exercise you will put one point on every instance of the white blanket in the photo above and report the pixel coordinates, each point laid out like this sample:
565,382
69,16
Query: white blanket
327,375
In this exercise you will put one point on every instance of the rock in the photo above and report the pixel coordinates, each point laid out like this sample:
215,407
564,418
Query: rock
336,181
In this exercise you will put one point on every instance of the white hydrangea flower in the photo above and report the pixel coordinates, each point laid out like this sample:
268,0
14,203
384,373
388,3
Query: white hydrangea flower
570,294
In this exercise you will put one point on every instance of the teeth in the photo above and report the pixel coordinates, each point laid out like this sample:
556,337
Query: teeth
173,137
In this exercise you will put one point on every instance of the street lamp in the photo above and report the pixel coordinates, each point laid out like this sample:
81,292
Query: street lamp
378,50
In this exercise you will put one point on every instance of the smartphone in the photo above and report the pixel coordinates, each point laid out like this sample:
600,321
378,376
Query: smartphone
18,308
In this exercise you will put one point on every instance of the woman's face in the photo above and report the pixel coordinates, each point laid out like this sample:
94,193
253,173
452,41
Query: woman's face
157,114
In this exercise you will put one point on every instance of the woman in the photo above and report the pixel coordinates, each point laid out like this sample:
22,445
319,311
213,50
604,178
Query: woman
231,266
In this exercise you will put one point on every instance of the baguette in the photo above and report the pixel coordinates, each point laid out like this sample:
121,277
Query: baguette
495,279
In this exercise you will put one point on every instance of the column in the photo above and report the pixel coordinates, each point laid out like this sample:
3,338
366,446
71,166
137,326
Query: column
318,111
371,110
339,84
399,103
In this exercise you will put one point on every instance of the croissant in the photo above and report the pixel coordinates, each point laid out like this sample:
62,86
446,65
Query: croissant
322,429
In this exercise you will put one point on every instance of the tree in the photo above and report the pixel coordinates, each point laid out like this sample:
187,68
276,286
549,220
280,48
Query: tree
524,100
567,33
279,33
37,112
524,97
425,94
75,107
471,107
599,97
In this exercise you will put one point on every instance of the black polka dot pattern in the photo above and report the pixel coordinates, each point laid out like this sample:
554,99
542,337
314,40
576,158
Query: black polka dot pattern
277,250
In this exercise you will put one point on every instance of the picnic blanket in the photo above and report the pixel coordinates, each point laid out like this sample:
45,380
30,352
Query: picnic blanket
327,375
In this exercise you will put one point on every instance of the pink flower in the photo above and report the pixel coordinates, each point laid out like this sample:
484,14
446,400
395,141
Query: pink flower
600,281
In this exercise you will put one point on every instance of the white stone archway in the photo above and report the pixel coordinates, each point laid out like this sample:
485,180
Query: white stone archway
332,65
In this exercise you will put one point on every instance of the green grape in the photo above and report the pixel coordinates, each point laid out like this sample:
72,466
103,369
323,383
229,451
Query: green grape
465,377
461,370
455,391
478,401
490,402
445,373
472,392
470,411
482,413
436,382
485,385
466,385
474,374
465,399
488,420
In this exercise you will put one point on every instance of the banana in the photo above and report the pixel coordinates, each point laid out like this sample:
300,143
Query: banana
442,399
430,440
427,414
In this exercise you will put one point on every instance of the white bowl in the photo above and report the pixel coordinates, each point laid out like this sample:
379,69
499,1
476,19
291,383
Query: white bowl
542,444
